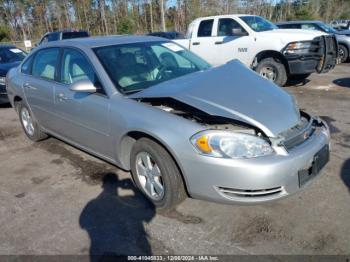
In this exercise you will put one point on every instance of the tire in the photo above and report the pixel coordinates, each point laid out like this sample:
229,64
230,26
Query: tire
299,77
171,179
343,53
36,134
279,70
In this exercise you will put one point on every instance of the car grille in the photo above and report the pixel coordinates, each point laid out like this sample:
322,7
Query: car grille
299,133
231,192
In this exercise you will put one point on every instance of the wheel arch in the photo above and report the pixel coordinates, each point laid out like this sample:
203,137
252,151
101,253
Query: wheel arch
128,141
16,100
270,54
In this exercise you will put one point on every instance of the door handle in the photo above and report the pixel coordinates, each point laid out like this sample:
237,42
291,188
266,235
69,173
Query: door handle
196,43
219,42
29,86
62,96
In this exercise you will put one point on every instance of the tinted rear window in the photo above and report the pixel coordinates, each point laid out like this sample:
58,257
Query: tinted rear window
69,35
205,28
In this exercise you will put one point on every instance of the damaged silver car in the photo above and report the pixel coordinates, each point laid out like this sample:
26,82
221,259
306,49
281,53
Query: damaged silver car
183,128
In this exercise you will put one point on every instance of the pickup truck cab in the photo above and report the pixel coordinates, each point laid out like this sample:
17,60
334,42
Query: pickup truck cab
275,54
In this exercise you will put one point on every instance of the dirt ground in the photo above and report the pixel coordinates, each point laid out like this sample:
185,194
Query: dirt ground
54,199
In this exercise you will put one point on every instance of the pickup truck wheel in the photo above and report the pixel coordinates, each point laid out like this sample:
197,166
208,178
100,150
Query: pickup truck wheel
343,53
155,173
30,126
272,70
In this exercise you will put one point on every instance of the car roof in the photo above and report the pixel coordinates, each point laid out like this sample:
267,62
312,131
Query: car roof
98,41
223,16
298,22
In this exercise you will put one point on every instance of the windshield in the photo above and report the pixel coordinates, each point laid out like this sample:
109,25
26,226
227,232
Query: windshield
327,28
11,54
258,24
137,66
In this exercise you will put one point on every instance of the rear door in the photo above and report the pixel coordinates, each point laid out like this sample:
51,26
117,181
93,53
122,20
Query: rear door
82,117
202,40
39,82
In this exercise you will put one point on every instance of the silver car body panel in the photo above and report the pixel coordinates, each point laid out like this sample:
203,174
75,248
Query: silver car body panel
103,124
232,91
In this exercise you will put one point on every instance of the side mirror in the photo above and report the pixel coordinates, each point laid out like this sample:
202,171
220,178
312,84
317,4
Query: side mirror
239,32
83,86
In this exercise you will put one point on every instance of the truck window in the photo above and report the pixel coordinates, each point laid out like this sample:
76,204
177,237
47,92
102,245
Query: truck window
228,27
205,28
309,27
289,26
53,37
69,35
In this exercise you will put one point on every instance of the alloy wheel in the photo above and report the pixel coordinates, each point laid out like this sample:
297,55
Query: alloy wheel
27,121
149,176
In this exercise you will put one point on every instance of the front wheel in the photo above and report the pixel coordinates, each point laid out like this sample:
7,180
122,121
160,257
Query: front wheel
272,70
156,174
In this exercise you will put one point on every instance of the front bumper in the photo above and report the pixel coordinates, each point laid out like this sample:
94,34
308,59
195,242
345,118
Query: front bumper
320,58
251,181
305,64
3,95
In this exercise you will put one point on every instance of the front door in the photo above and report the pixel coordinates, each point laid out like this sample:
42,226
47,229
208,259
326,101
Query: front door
231,42
82,117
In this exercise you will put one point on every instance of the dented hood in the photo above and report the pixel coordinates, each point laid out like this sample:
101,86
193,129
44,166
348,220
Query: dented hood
233,91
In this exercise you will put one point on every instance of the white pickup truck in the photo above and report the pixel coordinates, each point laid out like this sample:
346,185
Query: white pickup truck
276,54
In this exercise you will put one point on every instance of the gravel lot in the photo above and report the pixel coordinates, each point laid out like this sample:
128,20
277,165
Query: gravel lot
54,199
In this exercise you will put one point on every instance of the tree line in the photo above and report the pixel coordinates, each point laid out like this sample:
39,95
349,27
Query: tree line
30,19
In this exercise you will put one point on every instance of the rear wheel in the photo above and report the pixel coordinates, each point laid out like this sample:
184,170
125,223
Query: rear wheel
343,53
30,125
272,70
156,174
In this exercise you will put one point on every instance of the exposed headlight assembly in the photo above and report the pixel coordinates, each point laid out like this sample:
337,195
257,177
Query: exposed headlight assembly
298,47
230,144
2,80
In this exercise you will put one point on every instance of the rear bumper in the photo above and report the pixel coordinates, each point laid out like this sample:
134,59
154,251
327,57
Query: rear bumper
322,58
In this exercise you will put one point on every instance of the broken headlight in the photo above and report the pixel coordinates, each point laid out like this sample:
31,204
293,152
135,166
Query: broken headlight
230,144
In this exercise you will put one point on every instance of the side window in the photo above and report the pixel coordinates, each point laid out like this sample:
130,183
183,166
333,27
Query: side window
205,28
229,27
44,40
53,37
44,64
308,27
27,66
75,67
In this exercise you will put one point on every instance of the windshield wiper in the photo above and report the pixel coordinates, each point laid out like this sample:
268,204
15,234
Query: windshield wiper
129,92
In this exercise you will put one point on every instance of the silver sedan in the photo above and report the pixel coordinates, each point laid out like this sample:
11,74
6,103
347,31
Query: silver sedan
182,127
